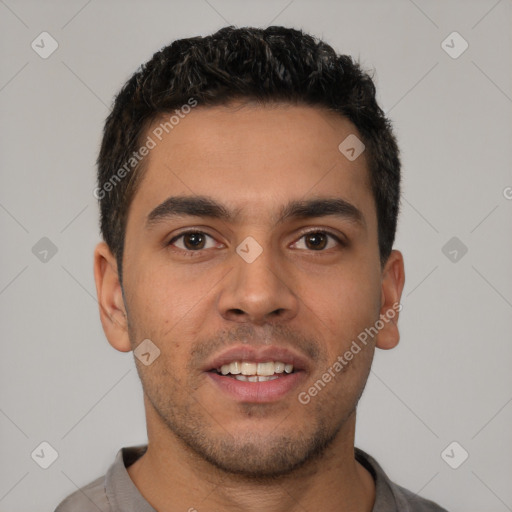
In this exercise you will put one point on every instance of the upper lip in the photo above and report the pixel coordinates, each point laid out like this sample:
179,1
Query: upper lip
255,354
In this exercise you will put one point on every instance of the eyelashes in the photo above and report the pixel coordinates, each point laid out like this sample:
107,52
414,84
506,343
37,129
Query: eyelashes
203,235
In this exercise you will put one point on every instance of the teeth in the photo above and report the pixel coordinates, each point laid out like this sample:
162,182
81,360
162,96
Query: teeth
254,378
266,369
248,368
247,371
235,368
278,367
262,378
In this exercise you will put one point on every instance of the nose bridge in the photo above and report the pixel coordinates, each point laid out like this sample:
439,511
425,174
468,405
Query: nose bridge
255,265
257,287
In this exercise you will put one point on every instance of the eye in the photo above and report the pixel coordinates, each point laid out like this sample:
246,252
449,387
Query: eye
192,241
318,240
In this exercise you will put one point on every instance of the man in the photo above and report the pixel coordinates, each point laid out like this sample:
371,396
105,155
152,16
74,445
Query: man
249,187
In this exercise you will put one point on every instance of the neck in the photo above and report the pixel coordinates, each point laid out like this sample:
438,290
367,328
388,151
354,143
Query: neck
171,477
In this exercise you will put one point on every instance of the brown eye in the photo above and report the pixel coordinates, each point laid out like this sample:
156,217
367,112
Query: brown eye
319,240
316,240
192,240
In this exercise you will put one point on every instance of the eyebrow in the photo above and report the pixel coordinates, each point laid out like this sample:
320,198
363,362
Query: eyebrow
204,206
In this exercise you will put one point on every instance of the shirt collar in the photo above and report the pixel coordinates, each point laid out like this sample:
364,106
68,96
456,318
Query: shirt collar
122,493
124,496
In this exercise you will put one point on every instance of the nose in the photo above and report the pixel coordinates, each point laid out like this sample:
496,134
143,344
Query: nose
258,291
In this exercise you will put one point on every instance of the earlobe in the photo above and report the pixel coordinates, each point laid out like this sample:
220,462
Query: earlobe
110,298
393,280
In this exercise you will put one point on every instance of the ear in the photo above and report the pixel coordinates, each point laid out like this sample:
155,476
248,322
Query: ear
393,280
110,298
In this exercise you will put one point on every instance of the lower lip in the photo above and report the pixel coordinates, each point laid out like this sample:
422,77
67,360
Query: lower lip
258,392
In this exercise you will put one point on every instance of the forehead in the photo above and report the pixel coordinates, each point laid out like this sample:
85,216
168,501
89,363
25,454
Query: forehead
252,158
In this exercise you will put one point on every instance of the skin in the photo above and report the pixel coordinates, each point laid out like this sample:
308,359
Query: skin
206,451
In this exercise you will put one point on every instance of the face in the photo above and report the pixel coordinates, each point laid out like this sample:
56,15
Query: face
281,269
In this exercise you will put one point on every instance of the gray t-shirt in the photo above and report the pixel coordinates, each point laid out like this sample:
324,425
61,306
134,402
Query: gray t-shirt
115,492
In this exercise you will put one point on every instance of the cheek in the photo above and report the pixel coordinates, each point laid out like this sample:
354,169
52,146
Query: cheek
346,302
164,295
169,306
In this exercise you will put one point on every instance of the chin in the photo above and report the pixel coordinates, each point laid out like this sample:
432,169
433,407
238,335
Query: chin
262,457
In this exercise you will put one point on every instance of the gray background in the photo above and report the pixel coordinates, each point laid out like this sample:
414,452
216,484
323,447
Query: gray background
448,380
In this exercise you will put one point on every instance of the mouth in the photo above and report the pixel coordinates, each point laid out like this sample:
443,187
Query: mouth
249,371
248,375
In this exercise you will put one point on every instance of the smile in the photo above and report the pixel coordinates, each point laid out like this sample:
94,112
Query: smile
250,382
246,371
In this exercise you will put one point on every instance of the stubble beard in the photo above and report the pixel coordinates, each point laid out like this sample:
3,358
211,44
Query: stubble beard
251,455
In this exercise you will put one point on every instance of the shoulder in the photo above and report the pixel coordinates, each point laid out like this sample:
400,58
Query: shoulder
411,502
390,496
91,497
